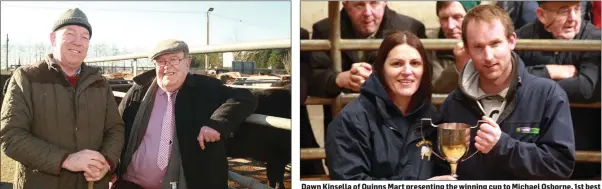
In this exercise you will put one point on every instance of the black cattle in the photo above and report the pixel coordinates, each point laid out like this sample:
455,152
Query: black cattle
264,143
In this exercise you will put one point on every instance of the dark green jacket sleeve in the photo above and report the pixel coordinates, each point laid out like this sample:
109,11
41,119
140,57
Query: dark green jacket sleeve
15,137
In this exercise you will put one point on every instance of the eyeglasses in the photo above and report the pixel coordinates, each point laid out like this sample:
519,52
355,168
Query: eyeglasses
173,61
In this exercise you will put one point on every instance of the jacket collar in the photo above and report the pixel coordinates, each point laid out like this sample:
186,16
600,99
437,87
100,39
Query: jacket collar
84,71
53,65
518,73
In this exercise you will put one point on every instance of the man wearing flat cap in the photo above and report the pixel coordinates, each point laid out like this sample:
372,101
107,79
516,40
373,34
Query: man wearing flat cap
176,124
59,116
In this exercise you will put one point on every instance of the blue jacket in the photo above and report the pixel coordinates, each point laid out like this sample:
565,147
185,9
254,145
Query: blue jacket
370,139
537,140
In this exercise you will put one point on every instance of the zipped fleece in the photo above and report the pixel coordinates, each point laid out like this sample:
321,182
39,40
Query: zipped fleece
370,139
533,103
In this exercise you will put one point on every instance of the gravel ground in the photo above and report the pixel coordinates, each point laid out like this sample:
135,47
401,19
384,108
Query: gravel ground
255,170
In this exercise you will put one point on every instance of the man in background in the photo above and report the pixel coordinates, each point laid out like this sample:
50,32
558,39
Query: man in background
578,73
359,20
445,63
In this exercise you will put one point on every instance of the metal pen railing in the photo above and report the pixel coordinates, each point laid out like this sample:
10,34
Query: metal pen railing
243,46
335,45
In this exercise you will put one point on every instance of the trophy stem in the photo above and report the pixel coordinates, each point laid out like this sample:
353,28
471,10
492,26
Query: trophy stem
453,169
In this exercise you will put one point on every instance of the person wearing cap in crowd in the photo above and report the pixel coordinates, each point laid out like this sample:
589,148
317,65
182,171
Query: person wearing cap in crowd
524,12
445,64
528,132
359,20
59,117
176,123
578,73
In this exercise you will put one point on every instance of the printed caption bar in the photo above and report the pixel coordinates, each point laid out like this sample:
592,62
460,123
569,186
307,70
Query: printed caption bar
449,185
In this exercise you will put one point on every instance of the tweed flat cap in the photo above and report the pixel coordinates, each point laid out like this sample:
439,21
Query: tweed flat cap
168,46
73,17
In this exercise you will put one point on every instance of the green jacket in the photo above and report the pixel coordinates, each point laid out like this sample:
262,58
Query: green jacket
44,120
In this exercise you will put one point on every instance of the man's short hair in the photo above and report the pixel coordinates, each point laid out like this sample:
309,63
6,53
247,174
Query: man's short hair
442,4
488,13
467,5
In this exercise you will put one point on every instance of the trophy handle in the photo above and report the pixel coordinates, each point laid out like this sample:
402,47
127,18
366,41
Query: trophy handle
478,124
468,149
439,156
470,155
427,121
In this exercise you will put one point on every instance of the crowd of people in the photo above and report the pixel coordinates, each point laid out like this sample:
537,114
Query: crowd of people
523,97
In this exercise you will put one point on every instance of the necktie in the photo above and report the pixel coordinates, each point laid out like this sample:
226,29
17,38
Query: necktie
167,128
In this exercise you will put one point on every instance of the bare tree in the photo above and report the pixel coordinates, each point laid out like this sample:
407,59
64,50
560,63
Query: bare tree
39,51
114,50
286,60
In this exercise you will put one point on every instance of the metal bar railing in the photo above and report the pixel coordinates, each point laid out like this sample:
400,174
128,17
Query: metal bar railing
320,153
334,18
437,99
253,87
118,94
265,120
246,181
121,85
449,44
277,122
233,86
244,46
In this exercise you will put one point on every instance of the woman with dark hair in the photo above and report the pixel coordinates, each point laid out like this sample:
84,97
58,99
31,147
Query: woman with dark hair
377,136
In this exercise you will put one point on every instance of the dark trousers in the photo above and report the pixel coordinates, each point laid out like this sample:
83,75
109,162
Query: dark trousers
124,184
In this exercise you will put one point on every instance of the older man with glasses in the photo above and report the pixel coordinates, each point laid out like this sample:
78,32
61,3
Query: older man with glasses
179,143
578,73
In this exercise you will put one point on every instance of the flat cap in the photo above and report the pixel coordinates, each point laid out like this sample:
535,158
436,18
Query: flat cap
168,46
